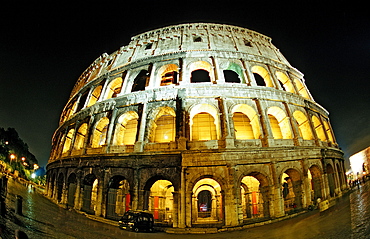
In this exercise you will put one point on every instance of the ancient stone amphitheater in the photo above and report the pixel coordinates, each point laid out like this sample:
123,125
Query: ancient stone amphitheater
204,125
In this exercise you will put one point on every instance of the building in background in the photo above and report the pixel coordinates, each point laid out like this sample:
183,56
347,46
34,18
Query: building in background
359,164
201,124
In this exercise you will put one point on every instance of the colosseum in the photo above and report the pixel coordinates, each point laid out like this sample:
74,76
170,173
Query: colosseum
201,124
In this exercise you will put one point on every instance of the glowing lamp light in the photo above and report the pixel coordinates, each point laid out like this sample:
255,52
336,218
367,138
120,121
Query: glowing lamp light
12,156
33,175
35,167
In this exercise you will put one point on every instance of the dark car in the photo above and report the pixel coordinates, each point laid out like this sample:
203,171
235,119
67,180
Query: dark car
137,221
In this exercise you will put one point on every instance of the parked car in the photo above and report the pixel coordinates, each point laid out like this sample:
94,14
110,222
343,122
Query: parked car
137,221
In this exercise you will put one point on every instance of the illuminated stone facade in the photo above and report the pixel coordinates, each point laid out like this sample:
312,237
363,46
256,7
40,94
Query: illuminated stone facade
204,125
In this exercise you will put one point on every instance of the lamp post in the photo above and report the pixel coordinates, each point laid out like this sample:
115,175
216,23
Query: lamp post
12,156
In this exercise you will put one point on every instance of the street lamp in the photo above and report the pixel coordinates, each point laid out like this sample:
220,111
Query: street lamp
12,156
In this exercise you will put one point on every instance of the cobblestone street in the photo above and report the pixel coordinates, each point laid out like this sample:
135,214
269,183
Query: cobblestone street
43,219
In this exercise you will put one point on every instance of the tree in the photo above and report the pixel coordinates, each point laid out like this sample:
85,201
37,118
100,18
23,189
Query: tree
12,144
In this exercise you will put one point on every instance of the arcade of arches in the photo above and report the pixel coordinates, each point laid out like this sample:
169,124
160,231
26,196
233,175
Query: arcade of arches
198,196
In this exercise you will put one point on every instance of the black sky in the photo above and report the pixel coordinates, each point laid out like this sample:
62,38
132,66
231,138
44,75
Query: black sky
45,47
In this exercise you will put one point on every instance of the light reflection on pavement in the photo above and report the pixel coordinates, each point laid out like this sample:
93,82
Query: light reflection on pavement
41,218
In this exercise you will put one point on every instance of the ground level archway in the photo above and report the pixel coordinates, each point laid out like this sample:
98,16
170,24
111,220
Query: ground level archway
118,197
207,202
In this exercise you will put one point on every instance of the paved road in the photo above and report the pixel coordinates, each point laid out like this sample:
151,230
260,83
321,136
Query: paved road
41,218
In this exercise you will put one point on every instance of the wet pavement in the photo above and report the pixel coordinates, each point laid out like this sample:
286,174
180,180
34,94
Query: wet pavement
41,218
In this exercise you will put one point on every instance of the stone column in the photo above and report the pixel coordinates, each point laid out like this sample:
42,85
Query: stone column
293,125
277,201
175,211
63,200
291,78
182,208
110,133
152,78
219,76
181,69
312,127
139,145
247,73
273,78
99,197
225,125
125,80
89,132
135,199
306,193
180,125
103,90
77,196
266,131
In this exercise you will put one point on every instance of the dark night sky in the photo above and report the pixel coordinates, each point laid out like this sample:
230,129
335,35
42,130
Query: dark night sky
45,48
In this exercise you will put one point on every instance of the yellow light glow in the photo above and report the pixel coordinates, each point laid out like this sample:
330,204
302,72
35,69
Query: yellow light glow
356,161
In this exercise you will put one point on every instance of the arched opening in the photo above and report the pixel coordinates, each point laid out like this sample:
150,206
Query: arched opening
254,197
200,76
314,174
68,141
207,122
319,128
141,81
292,190
279,123
72,185
303,125
114,88
95,95
328,131
60,185
160,201
100,133
82,101
165,129
285,82
301,89
331,179
204,204
118,197
259,80
234,73
89,193
231,76
242,126
80,136
261,76
275,127
207,202
203,127
168,74
126,129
